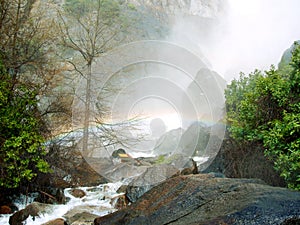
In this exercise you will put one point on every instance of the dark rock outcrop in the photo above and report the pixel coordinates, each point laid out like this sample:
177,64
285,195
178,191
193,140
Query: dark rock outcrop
244,160
202,199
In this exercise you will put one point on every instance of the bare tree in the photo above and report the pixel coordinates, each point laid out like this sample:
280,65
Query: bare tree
90,29
28,35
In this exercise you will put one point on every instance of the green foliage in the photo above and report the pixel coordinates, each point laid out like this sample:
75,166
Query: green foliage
265,107
21,145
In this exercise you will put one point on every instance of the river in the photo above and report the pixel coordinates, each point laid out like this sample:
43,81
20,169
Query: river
98,201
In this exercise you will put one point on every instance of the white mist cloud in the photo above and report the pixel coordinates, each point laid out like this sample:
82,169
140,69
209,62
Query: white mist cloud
254,34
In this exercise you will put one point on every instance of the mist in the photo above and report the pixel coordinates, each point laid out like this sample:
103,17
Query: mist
252,35
240,35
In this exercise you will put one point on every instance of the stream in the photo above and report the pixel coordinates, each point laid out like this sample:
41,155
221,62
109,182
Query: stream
98,201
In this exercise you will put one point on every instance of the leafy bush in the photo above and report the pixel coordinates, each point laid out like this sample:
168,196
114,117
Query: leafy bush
265,107
21,144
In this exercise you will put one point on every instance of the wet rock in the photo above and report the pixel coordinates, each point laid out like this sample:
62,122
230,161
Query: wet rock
82,218
60,196
84,212
120,202
77,193
58,221
34,209
4,209
18,217
202,199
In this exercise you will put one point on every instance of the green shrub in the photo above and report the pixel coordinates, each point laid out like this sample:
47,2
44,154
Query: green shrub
265,107
21,144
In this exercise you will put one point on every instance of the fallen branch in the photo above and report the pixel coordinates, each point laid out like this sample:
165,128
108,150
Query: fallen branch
48,195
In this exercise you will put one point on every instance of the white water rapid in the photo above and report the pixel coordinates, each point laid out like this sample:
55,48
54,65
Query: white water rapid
98,201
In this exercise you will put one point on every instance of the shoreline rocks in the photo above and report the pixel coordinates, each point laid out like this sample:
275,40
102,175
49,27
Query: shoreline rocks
203,199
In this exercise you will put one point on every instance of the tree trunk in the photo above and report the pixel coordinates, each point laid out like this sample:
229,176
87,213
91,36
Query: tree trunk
87,112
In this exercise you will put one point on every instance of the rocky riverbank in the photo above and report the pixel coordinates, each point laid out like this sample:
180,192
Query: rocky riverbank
204,199
180,199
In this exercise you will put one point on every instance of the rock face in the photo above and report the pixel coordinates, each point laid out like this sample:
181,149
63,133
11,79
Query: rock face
287,55
172,166
203,8
236,160
150,178
202,199
168,143
194,140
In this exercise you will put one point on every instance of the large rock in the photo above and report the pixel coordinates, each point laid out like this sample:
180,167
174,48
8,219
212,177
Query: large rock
123,171
168,143
4,209
58,221
202,199
150,178
77,193
34,209
244,160
80,217
160,169
195,139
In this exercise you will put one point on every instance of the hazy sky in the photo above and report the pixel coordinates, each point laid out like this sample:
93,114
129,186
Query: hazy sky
254,35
